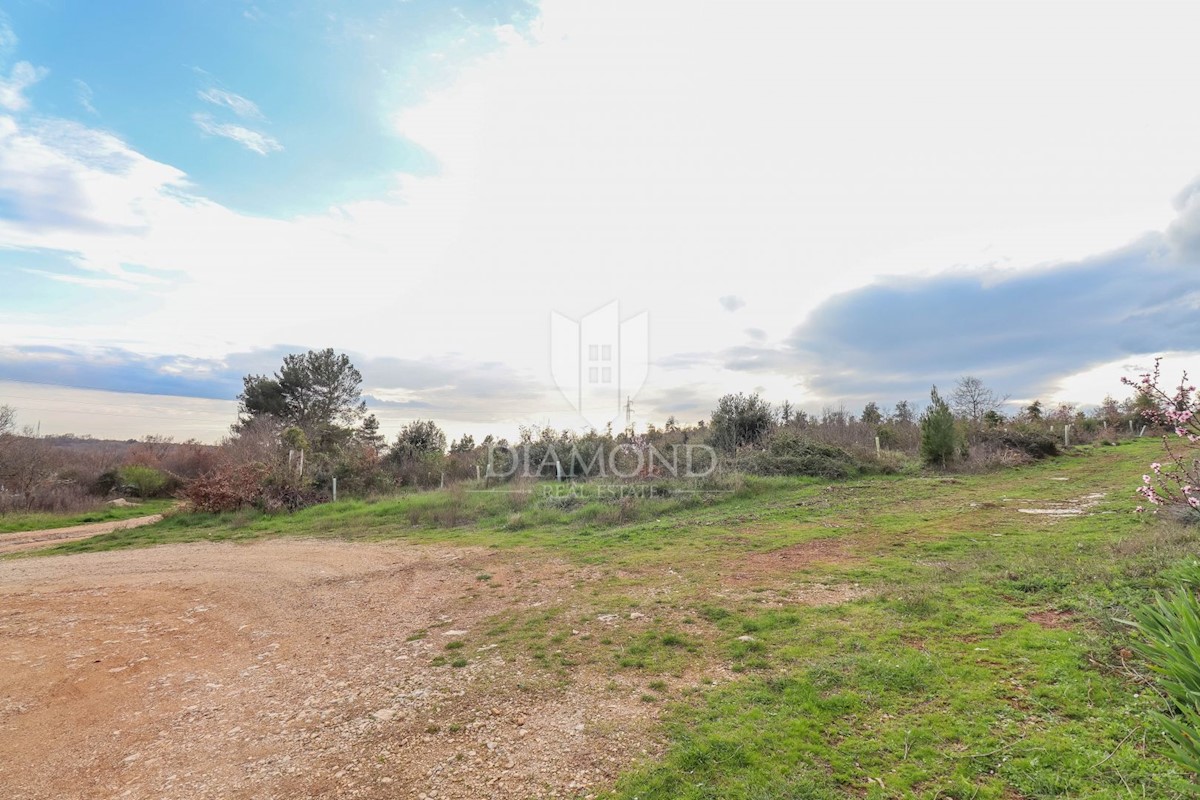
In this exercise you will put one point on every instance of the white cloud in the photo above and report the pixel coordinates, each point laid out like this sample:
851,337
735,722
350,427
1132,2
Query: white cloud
8,39
252,140
21,77
247,109
786,152
84,94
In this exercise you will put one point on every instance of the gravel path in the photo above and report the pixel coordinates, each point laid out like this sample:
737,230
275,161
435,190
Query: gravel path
296,668
28,540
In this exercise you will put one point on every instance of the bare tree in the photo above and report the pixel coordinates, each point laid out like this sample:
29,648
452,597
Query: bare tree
8,419
26,463
972,400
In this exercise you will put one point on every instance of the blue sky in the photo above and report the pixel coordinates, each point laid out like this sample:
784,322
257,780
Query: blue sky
315,79
828,202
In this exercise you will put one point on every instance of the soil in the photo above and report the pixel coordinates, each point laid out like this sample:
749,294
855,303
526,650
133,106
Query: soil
287,668
295,668
29,540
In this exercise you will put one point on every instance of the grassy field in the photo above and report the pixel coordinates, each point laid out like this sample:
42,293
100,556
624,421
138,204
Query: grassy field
14,523
891,636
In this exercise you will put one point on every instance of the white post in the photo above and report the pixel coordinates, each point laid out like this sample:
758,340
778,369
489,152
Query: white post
335,490
1143,433
476,472
1066,435
877,446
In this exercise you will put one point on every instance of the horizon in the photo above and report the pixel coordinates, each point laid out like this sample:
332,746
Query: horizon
827,204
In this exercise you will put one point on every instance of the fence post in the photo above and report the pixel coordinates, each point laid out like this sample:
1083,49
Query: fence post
335,489
877,447
1066,435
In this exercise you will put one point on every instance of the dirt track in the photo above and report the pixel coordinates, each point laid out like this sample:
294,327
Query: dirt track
288,668
28,540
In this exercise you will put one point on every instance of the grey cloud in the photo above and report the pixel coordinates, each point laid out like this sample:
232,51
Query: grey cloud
451,387
1019,331
731,302
1184,231
757,334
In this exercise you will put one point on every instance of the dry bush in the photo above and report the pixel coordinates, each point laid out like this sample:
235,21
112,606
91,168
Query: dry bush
55,498
989,456
31,478
226,489
247,486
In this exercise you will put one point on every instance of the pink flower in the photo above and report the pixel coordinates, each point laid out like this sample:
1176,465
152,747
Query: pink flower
1139,510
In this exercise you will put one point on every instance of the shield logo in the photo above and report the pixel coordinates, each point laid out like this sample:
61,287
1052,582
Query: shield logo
599,362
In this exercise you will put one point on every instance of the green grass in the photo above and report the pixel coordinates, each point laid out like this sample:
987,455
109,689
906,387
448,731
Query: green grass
977,658
14,523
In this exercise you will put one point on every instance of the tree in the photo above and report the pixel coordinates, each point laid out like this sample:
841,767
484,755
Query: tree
971,399
1033,411
740,420
8,419
786,412
368,434
939,439
318,392
464,445
904,414
1109,411
871,414
417,439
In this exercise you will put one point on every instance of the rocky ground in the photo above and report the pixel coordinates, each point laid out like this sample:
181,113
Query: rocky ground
292,668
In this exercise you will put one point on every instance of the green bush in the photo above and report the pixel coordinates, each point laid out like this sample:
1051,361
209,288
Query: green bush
1170,629
143,481
789,454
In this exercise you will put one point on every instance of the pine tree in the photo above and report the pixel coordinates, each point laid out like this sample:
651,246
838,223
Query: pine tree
939,439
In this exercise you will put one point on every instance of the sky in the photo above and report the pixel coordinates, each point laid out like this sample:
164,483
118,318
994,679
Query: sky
824,202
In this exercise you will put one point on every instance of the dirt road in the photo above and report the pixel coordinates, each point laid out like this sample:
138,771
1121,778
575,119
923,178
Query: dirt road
28,540
294,668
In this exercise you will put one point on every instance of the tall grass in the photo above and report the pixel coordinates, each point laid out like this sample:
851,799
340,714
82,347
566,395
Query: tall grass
1170,628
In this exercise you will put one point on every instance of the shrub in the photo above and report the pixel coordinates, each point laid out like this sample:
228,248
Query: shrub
143,481
1033,443
1170,642
1174,485
247,486
789,454
740,420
